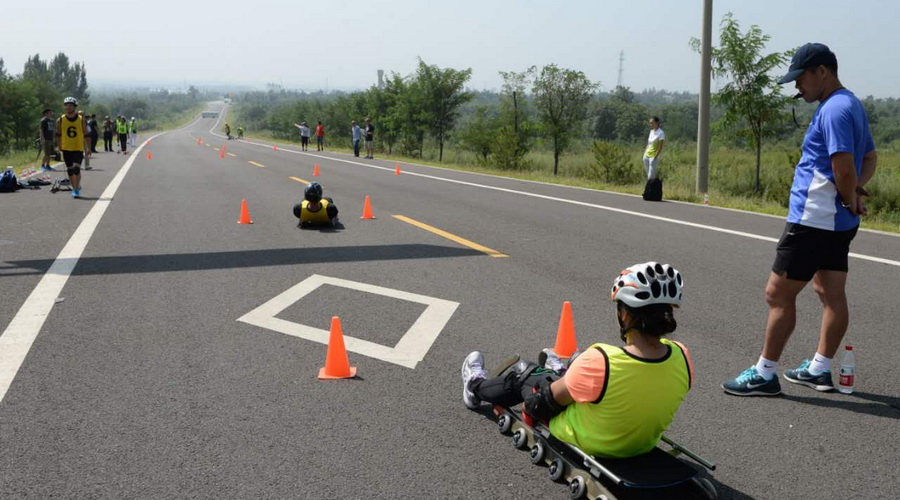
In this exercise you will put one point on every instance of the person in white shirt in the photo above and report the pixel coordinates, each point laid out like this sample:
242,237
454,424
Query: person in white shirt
655,143
304,135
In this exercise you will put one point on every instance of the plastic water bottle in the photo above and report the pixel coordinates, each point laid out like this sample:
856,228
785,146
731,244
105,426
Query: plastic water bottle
848,371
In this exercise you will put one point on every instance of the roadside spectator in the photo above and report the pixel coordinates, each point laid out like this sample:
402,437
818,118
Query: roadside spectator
356,134
370,139
108,129
122,132
95,132
48,138
304,135
825,206
655,143
320,137
132,132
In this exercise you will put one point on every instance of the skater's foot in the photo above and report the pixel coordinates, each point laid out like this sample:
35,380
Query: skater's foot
76,193
751,383
801,375
472,370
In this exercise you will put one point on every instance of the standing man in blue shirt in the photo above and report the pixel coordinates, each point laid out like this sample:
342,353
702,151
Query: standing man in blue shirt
356,133
825,205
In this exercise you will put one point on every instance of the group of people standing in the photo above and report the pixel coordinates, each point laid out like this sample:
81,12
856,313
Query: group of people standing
304,136
357,134
123,130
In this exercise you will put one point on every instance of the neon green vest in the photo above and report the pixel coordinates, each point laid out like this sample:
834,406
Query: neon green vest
121,127
637,404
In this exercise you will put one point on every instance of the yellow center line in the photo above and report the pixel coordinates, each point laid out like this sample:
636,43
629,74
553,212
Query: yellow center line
231,154
260,165
303,181
451,237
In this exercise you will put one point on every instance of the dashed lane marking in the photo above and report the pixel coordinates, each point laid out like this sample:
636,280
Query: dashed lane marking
451,237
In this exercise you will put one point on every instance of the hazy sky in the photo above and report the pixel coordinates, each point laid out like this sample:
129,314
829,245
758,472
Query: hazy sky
302,43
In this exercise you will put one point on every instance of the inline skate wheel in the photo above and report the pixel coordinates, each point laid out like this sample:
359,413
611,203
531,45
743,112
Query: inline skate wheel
557,469
520,439
504,423
537,453
577,488
705,487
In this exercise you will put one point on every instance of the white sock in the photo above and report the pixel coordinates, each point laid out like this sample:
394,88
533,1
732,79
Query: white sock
766,368
819,365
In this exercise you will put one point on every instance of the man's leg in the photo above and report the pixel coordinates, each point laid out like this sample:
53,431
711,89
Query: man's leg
831,289
781,295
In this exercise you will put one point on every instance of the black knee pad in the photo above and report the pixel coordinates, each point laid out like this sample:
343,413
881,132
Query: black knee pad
297,208
76,170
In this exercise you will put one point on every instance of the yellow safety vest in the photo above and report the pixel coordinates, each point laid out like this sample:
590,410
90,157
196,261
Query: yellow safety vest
320,216
638,403
121,127
71,133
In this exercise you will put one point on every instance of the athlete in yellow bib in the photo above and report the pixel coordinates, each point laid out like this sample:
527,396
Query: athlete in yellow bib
611,401
314,210
72,136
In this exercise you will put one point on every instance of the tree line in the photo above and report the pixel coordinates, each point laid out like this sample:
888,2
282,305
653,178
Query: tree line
43,84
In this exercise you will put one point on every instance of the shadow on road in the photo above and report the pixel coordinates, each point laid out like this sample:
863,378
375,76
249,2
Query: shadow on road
873,404
133,264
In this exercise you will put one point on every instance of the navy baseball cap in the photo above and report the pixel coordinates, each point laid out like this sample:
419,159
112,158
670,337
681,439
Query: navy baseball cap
808,56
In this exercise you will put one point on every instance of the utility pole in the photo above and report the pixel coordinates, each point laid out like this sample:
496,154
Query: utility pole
703,115
621,68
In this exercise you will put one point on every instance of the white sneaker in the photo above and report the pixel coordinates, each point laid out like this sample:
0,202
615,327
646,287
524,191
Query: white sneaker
553,362
472,370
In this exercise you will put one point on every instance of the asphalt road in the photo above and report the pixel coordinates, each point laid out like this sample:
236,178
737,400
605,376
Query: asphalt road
143,384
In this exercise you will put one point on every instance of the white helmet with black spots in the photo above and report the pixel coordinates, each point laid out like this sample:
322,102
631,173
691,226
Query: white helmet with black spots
70,100
649,283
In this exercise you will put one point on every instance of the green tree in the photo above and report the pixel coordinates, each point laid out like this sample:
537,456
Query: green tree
561,96
442,94
516,129
480,133
751,98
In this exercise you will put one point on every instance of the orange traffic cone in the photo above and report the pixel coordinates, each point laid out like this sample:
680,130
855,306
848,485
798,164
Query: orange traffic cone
397,170
199,141
316,170
245,213
274,147
222,153
565,334
337,364
367,209
149,155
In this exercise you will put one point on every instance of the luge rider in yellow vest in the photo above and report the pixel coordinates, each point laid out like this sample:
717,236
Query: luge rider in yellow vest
72,137
612,401
314,210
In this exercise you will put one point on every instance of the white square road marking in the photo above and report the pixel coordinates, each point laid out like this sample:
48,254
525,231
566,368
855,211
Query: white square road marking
408,351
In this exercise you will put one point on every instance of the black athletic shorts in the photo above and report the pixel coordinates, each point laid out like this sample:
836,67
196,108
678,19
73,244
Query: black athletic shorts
304,140
72,158
803,250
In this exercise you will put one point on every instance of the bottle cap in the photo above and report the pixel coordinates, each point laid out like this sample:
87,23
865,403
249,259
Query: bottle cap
849,348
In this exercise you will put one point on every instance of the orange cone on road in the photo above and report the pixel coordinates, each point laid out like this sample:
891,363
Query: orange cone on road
222,153
149,155
367,209
565,335
316,170
245,213
337,363
199,141
397,169
274,147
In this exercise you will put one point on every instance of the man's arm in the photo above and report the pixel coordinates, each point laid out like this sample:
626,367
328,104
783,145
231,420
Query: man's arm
845,179
660,148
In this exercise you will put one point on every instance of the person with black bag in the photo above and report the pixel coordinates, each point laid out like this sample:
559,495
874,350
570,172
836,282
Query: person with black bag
655,143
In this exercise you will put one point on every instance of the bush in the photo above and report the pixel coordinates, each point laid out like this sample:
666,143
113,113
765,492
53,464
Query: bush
611,164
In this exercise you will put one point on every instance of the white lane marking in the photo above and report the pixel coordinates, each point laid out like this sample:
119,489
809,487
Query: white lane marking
409,350
585,204
17,339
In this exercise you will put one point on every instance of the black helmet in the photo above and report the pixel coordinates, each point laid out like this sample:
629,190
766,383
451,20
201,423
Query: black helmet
313,192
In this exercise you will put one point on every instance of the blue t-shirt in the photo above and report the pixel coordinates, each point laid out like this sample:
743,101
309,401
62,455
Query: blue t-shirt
839,125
